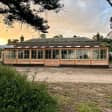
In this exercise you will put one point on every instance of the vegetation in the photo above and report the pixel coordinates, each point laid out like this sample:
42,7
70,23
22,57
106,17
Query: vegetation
19,95
87,107
42,36
110,2
58,36
22,10
105,41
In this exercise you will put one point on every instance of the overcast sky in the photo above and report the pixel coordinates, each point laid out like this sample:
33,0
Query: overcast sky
78,17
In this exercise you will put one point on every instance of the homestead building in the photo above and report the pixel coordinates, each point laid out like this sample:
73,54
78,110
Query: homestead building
57,52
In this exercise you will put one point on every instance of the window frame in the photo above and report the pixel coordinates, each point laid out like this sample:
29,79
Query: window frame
84,54
22,54
65,55
11,54
99,50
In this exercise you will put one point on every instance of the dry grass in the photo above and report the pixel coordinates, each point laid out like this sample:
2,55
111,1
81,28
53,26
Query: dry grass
69,95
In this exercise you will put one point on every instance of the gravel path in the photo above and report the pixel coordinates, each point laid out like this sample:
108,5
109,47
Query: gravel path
68,74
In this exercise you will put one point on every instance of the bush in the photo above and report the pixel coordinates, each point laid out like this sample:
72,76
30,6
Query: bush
87,107
19,95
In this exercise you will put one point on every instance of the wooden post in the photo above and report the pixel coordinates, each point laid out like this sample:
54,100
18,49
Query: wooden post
44,55
60,56
16,56
91,55
75,57
107,54
30,56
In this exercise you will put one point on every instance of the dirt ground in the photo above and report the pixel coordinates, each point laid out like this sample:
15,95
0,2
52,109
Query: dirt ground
72,86
68,74
69,95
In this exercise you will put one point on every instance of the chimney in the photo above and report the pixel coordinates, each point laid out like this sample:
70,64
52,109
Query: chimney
9,41
22,38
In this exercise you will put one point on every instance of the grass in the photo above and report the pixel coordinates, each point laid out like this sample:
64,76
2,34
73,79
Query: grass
79,97
87,107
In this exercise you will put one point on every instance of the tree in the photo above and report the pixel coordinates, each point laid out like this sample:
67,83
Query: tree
58,36
43,36
111,22
22,10
98,37
110,2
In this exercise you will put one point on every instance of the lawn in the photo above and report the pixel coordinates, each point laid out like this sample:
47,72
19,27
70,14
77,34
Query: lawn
79,97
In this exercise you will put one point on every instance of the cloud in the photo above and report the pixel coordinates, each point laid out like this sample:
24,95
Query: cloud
82,17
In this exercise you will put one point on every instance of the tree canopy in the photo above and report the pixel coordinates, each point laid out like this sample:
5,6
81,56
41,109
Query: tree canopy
22,10
110,2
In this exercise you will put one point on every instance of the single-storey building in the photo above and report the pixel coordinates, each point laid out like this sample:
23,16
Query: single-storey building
57,52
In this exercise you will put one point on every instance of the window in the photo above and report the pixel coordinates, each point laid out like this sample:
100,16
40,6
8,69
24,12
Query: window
82,54
52,54
64,54
33,54
68,54
99,54
71,54
103,54
20,54
11,54
37,54
26,54
40,54
48,54
55,54
23,54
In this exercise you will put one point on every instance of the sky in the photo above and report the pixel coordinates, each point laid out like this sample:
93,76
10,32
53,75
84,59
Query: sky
77,17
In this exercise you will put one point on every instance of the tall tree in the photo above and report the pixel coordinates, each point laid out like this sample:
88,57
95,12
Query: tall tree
110,2
23,10
98,37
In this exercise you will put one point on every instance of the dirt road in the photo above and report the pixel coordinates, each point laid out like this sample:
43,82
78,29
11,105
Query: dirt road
68,74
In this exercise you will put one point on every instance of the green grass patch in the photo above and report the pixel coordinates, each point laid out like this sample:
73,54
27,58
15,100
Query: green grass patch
87,107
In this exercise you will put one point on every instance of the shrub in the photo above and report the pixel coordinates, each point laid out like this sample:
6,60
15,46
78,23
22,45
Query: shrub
87,107
19,95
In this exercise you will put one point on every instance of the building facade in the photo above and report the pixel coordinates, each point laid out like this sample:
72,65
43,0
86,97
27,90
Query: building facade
57,52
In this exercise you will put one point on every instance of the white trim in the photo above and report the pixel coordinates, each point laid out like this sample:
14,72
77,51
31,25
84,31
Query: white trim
19,47
68,46
27,47
51,46
59,46
43,46
96,46
35,47
87,46
77,46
